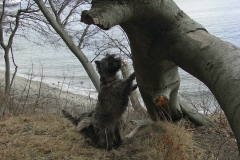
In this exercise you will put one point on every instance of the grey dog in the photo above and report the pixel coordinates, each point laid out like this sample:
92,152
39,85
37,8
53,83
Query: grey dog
101,126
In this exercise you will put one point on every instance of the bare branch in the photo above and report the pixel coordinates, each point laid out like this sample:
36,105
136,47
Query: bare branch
119,45
55,12
83,36
70,13
64,5
16,67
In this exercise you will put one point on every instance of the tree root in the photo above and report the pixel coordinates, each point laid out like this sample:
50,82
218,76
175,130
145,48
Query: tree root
193,115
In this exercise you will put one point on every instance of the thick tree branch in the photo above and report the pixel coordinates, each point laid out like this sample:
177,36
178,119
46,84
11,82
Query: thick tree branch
117,14
67,39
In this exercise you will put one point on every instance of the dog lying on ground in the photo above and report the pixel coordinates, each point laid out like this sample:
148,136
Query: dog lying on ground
101,126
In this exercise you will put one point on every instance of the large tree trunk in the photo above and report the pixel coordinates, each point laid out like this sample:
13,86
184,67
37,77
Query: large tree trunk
163,37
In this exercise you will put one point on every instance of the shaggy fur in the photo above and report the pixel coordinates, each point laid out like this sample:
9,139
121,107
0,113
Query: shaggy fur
101,126
83,125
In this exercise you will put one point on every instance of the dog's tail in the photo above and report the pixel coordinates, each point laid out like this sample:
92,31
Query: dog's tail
73,119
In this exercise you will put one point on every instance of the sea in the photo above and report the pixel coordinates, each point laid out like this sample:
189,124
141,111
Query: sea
58,67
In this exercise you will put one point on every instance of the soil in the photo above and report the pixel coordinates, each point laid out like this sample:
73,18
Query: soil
218,142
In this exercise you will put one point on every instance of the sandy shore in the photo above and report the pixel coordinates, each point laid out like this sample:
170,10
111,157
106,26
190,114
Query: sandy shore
27,94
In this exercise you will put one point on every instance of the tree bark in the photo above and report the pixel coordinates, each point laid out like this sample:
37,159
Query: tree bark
163,37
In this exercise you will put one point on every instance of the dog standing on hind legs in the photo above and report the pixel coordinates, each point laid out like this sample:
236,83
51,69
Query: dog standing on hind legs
101,126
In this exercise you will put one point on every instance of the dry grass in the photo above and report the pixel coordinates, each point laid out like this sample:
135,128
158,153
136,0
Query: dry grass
40,137
162,140
52,137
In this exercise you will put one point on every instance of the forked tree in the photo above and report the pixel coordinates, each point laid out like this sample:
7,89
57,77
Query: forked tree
11,19
163,38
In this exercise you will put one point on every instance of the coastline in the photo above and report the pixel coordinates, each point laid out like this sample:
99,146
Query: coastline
41,97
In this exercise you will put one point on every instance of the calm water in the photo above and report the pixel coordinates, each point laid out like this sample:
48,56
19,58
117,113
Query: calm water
61,68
